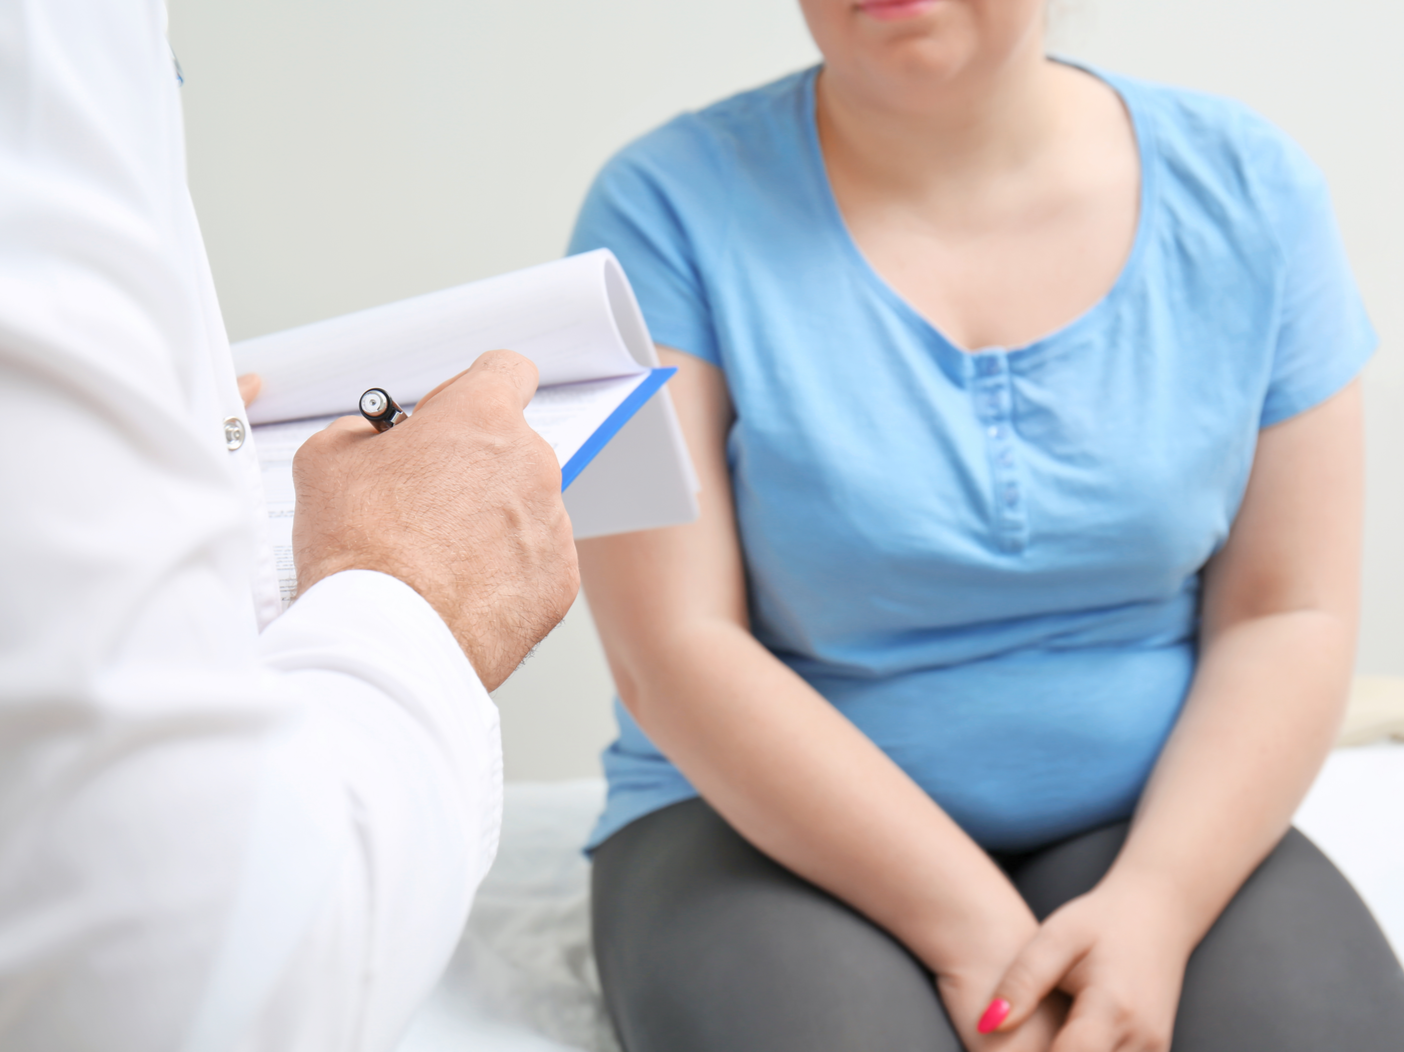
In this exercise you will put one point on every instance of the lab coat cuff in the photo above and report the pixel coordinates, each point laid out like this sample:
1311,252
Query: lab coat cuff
377,628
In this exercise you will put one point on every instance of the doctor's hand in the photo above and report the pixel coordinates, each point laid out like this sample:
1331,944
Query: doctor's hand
1120,953
462,502
249,386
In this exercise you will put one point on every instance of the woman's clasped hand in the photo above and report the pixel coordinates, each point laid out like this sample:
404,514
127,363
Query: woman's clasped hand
981,1020
1106,968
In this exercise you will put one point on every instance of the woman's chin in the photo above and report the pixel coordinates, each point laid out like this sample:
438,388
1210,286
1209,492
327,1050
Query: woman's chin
921,38
910,70
909,55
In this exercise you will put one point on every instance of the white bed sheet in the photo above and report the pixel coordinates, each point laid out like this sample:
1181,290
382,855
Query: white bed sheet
523,978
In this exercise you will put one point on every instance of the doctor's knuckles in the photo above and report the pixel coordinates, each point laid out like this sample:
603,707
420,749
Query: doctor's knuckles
462,502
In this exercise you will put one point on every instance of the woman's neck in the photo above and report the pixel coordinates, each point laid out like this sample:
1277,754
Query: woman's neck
950,140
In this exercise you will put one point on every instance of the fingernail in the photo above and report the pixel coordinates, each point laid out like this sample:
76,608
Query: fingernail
994,1015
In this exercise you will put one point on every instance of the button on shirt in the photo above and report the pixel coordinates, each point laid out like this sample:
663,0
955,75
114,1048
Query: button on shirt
233,433
988,561
211,838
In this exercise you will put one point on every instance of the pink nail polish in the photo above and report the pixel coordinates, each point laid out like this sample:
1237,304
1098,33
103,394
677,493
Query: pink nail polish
994,1015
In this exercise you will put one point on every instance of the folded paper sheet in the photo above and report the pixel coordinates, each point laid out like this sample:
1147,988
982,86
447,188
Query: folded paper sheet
600,403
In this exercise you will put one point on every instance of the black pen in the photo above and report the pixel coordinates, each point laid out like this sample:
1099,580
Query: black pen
381,410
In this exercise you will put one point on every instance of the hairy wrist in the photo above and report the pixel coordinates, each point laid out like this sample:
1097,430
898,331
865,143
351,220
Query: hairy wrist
438,594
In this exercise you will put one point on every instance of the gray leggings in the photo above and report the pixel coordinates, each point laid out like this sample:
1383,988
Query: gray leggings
706,945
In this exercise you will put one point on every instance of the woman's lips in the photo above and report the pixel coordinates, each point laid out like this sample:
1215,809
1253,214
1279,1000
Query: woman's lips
895,10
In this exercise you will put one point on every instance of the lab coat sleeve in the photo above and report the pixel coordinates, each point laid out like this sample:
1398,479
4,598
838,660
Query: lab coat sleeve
210,839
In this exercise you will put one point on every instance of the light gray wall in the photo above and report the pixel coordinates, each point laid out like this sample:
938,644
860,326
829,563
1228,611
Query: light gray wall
343,154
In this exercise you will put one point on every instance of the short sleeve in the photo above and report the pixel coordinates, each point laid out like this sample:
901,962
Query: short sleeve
1324,336
657,206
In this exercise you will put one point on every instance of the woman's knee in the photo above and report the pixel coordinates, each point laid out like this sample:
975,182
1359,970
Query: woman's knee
1295,963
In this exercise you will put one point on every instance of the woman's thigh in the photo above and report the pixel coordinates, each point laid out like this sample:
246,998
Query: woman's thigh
1294,964
705,944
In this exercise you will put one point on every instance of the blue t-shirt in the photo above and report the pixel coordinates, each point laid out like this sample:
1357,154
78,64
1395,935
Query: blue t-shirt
989,562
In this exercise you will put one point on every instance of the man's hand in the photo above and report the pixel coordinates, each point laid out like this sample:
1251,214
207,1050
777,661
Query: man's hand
1120,952
462,502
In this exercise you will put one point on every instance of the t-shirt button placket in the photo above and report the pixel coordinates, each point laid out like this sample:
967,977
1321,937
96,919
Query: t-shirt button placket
993,404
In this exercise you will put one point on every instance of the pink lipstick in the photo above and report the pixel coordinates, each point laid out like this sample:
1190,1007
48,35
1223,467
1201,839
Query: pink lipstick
896,10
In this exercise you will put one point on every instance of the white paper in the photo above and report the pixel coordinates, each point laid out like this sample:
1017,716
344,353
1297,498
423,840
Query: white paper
276,444
575,318
570,317
568,414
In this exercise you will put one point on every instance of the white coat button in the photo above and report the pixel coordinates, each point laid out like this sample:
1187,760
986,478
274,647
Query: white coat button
233,433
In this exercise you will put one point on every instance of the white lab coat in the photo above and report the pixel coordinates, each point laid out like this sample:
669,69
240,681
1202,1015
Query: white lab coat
210,838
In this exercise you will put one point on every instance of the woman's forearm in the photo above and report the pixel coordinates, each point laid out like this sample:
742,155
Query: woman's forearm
798,780
1278,639
1264,710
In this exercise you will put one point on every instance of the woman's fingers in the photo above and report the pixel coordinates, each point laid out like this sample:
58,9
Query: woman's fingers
1122,973
249,386
1088,1030
1033,975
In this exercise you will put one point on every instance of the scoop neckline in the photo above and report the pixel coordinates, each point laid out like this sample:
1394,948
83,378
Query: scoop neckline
953,356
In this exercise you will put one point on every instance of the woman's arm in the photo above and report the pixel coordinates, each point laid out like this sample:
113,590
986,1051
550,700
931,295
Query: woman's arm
1276,648
780,763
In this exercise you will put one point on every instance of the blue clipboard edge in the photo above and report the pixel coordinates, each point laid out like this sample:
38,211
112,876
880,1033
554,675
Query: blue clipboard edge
650,385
